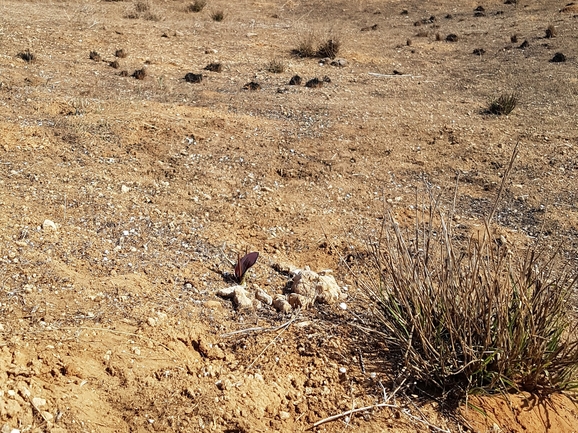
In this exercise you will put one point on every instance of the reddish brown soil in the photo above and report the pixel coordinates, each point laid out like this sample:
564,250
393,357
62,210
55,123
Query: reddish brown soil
112,318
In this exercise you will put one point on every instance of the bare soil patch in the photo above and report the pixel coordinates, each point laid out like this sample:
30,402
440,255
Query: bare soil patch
109,319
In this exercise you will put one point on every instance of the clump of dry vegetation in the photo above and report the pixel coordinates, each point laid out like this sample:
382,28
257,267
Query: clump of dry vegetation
27,56
310,44
551,32
143,9
218,15
329,48
476,313
95,56
197,6
276,66
306,45
503,104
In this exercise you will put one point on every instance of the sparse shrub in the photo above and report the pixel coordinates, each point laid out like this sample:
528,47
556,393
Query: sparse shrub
276,66
218,15
306,45
503,104
474,314
329,48
27,56
214,67
140,74
95,56
197,6
141,6
551,32
151,16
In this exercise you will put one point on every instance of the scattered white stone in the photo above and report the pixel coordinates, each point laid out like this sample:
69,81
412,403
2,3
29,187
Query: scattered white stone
342,370
124,189
343,306
49,224
284,415
152,321
240,298
227,292
316,288
48,417
38,402
280,303
136,350
264,297
299,301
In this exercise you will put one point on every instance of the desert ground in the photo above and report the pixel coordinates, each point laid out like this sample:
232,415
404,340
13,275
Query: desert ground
124,201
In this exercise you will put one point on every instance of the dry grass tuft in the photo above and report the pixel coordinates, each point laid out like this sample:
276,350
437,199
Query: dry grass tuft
218,15
276,66
197,6
329,48
504,104
27,56
474,314
306,45
551,32
95,56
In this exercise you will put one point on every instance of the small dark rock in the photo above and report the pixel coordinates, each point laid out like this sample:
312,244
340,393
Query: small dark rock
514,39
479,14
396,72
524,44
252,86
295,80
404,12
449,16
479,9
326,79
121,54
114,64
479,52
366,29
193,78
123,73
214,67
499,12
452,37
314,83
140,74
408,42
558,58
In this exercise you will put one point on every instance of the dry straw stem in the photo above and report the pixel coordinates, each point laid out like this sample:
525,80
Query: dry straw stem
473,314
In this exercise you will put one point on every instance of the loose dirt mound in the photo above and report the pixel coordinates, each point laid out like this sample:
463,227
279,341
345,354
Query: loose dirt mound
121,198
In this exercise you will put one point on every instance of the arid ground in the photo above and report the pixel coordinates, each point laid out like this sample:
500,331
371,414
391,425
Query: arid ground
124,200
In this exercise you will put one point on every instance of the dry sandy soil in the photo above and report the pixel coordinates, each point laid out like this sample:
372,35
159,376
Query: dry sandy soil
109,318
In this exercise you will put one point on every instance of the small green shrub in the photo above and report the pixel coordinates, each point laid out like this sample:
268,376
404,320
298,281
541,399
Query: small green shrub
474,314
503,104
197,6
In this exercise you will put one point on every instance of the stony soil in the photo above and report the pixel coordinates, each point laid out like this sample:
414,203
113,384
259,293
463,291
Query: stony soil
152,184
